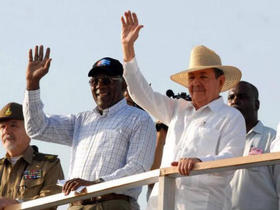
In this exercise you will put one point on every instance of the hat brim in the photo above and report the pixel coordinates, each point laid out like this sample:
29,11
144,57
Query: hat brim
102,70
99,70
232,76
3,119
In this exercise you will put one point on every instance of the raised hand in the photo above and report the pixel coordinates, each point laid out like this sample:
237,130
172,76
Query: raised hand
130,32
38,66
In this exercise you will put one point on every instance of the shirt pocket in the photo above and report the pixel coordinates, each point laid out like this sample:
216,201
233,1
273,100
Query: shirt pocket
209,139
30,188
202,142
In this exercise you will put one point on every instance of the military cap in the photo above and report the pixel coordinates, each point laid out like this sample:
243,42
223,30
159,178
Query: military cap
12,111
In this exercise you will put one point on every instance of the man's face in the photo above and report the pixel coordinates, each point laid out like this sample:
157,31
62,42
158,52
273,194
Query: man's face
243,98
14,137
204,87
106,90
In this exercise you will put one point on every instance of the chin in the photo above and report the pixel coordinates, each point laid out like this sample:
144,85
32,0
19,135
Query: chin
10,147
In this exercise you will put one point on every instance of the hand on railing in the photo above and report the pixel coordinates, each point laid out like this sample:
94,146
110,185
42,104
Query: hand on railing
185,165
74,184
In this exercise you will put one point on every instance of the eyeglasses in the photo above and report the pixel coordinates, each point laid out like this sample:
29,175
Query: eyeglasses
104,80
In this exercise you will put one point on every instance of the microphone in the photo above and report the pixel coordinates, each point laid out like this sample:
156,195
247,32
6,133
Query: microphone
170,93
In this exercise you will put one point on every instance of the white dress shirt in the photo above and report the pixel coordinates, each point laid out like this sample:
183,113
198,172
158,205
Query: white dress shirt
213,132
255,188
118,143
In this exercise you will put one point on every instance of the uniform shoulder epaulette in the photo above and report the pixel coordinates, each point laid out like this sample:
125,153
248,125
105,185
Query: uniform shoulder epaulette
41,156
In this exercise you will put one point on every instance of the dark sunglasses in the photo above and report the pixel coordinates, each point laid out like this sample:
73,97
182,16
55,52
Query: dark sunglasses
104,80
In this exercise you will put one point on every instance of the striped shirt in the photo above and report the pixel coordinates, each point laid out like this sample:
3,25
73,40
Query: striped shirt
118,143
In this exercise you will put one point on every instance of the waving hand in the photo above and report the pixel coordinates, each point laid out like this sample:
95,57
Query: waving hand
130,32
38,67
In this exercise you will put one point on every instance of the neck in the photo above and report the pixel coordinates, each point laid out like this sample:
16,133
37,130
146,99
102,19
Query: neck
100,111
16,153
198,105
250,124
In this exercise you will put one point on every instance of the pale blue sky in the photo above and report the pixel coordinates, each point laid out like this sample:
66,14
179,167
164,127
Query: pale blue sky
244,33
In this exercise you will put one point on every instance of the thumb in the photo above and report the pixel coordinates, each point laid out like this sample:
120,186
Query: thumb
174,163
138,28
47,64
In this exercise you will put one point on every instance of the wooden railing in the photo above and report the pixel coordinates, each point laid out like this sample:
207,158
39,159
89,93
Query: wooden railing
165,176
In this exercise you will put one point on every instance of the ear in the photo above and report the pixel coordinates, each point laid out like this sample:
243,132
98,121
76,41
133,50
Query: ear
221,81
257,104
124,85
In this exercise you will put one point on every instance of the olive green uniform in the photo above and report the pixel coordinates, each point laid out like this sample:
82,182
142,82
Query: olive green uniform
33,176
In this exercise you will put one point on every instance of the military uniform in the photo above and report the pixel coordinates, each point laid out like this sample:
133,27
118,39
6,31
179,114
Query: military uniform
34,175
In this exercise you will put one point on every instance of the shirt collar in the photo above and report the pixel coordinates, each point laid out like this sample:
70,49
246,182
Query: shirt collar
258,128
214,105
27,155
113,109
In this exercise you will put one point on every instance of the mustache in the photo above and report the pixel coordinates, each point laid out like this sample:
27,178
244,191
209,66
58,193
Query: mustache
198,89
8,137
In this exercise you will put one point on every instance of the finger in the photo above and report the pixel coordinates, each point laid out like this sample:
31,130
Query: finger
47,55
36,53
47,65
185,167
41,53
68,186
75,186
30,56
64,187
129,18
138,28
123,21
181,168
190,166
135,19
174,163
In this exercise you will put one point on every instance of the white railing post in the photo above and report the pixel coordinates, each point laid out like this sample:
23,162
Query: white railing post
166,196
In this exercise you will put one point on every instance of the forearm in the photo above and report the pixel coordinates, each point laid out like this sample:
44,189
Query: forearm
159,106
38,125
128,51
161,135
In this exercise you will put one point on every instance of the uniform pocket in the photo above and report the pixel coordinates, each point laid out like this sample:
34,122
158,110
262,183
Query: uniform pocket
30,188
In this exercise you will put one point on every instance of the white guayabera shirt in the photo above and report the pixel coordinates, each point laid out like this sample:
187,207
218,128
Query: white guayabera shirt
213,132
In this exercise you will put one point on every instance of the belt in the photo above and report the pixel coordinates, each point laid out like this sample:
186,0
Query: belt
102,198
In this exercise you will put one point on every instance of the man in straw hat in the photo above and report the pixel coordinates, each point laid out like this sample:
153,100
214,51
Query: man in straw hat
205,129
25,173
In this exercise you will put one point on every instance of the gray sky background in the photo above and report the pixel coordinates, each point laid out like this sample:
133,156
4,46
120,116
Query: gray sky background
244,33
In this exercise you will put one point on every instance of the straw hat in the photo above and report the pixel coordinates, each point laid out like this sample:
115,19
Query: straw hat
204,58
